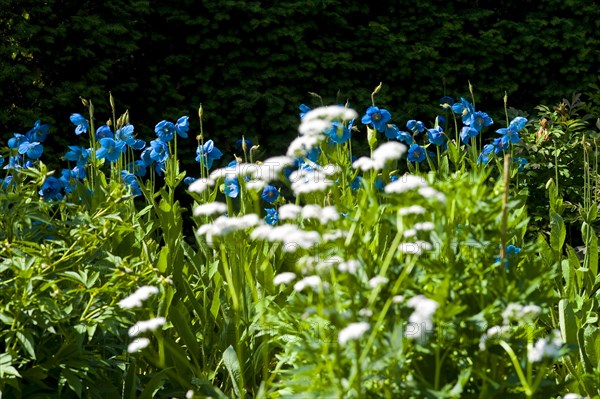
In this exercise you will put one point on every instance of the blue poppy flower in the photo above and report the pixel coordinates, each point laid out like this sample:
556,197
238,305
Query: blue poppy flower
272,216
522,162
436,136
207,153
499,146
52,189
126,134
7,182
38,132
110,149
1,160
484,157
510,134
511,255
78,154
270,194
231,186
416,153
478,120
81,124
466,133
165,130
463,108
68,179
447,100
104,132
243,142
304,109
182,126
159,151
189,180
378,117
33,150
17,140
338,133
415,126
131,182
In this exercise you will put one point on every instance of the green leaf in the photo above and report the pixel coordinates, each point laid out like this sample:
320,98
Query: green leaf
232,364
182,325
591,252
567,322
27,341
557,232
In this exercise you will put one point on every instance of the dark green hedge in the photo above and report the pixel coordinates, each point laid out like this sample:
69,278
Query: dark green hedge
251,63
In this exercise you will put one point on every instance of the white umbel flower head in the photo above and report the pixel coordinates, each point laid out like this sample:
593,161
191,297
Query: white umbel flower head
201,185
422,317
284,278
146,325
386,152
353,331
313,282
405,183
136,299
210,208
138,344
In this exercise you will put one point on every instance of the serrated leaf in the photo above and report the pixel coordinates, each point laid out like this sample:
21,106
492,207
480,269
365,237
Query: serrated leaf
232,364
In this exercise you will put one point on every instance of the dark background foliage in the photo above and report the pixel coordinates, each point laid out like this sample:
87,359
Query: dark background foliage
252,63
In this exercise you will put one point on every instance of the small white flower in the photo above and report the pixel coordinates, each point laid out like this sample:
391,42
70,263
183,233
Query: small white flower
140,295
330,113
272,167
389,151
350,266
311,211
377,281
545,348
289,211
353,331
491,334
284,278
365,312
210,209
424,226
311,281
256,185
364,164
201,185
302,144
398,298
405,183
413,209
329,214
428,192
138,344
520,314
573,396
409,233
189,394
422,317
146,325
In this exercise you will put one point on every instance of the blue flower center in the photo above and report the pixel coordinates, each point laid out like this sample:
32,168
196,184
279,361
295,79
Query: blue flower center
376,116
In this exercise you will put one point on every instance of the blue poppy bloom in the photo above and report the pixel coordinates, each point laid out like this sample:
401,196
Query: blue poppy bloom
1,160
416,153
499,146
243,142
110,149
231,186
478,120
78,154
415,126
511,255
33,150
436,136
304,109
510,134
131,182
463,108
17,140
38,132
52,189
189,180
69,180
207,153
378,117
522,162
104,132
270,194
272,216
159,151
338,133
182,126
81,124
466,133
6,182
126,134
165,130
484,157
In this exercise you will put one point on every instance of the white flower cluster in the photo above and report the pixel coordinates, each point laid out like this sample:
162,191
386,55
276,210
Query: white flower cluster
350,266
422,317
323,214
138,344
382,155
545,348
313,282
224,225
146,325
312,179
136,299
412,210
515,312
405,183
291,236
210,208
415,248
284,278
353,331
492,334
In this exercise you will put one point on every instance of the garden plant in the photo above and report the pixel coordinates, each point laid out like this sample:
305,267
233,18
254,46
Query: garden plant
377,258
